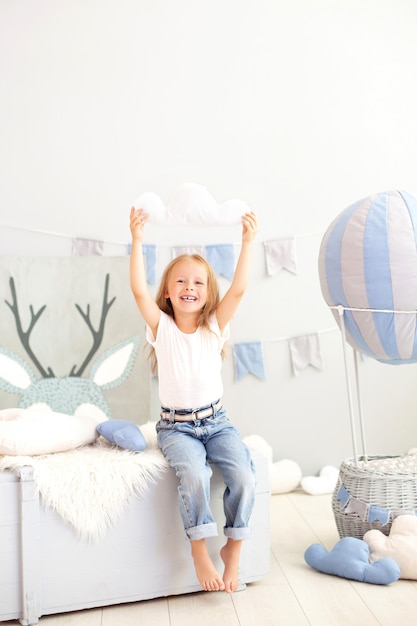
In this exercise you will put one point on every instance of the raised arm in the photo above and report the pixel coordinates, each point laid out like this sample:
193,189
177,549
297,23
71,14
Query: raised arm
144,299
234,294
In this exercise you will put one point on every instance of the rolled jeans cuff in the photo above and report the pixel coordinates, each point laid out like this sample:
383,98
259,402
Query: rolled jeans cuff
202,531
238,534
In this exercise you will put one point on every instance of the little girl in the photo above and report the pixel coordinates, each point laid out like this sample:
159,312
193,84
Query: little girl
187,326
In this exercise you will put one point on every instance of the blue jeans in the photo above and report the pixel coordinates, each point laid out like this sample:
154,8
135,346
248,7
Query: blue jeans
189,448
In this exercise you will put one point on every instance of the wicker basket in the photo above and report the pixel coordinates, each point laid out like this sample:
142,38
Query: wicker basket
384,483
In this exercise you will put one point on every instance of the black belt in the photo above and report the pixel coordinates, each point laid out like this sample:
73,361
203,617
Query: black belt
192,415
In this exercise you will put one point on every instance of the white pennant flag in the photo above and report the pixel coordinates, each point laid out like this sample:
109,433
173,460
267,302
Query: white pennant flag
87,247
305,350
280,254
178,250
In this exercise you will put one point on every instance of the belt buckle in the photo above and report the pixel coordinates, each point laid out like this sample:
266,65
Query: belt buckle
194,415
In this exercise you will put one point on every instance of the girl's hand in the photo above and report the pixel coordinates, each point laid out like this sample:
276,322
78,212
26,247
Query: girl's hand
250,226
138,219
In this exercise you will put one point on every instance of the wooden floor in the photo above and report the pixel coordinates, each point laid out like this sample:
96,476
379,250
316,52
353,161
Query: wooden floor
292,594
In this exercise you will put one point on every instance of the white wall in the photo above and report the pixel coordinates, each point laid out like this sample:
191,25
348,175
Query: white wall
299,107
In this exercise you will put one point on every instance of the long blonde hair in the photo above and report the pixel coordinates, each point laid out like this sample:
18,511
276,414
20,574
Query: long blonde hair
164,303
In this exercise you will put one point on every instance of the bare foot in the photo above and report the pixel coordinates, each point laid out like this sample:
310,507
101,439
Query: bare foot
207,574
230,554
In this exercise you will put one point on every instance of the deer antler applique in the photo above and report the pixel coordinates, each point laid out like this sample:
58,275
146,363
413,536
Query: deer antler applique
24,336
97,334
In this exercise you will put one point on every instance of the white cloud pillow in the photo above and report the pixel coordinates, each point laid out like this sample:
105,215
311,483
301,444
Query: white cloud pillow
30,432
192,204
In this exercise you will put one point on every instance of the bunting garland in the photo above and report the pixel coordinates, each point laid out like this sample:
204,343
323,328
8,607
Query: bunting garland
368,512
279,254
304,351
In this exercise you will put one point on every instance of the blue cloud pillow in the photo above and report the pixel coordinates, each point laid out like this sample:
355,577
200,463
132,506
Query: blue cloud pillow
122,433
349,558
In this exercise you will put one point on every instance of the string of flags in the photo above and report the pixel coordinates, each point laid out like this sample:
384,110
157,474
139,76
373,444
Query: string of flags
279,253
367,512
304,351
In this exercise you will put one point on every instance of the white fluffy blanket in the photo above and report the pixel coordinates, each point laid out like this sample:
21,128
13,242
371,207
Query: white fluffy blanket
90,486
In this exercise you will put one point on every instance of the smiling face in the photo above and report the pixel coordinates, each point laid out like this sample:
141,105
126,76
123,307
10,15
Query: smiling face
187,286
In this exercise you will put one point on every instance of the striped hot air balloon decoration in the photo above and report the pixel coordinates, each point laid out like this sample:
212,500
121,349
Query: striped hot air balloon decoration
368,275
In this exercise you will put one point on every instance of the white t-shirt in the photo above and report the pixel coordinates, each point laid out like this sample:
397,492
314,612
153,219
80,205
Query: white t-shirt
189,365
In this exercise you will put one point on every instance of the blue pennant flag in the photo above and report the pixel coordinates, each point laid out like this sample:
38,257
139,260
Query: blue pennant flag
343,495
249,359
222,259
378,513
149,252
